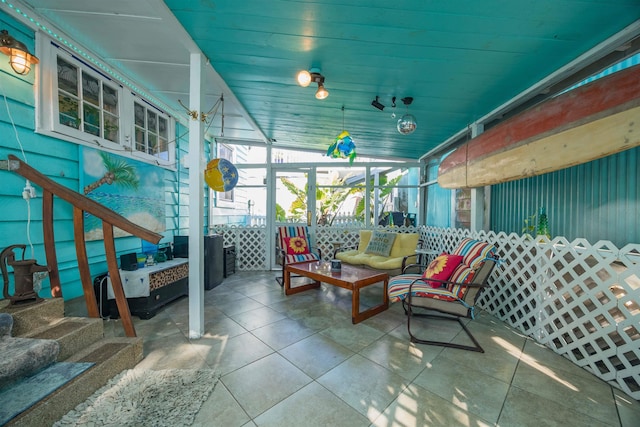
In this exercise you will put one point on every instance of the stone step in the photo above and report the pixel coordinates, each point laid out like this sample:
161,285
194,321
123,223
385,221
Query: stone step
111,356
73,334
27,317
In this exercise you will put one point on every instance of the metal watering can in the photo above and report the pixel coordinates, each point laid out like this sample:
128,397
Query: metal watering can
24,271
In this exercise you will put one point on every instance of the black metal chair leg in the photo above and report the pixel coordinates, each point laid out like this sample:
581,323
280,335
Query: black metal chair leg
417,340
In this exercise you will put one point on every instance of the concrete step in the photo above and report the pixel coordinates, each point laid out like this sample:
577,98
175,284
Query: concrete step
111,356
73,334
33,316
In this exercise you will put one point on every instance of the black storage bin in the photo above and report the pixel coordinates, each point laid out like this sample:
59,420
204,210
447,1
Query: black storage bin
213,261
229,260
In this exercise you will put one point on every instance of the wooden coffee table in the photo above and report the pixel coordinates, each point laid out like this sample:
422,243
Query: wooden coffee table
350,277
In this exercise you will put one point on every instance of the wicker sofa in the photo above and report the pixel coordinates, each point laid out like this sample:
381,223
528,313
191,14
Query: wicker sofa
403,252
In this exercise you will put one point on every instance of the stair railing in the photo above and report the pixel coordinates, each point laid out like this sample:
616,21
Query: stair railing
82,204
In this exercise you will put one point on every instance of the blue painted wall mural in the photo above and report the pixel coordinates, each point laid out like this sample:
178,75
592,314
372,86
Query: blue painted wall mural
131,188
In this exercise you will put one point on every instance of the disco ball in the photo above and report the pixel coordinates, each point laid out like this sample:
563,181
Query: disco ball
407,124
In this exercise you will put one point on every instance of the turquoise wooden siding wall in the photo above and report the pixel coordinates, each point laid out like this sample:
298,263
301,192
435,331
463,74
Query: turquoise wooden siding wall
599,200
59,160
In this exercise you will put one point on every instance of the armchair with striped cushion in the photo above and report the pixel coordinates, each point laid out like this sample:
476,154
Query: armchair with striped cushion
294,246
453,296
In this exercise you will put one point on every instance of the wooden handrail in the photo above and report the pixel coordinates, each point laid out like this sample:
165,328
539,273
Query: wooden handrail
82,204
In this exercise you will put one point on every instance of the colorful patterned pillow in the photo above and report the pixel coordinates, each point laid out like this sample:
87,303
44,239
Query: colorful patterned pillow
474,252
441,268
296,245
380,243
462,276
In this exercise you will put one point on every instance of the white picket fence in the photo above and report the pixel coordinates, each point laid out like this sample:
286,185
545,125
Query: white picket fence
580,299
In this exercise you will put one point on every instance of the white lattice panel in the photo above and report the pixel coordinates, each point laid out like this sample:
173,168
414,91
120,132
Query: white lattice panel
581,300
250,243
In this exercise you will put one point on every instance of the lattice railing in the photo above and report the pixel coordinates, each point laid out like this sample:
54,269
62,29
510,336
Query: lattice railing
582,300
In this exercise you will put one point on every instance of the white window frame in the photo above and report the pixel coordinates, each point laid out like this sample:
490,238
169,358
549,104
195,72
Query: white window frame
47,119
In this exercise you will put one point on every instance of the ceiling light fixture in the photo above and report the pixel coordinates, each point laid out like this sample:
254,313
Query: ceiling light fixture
377,103
18,53
407,124
305,78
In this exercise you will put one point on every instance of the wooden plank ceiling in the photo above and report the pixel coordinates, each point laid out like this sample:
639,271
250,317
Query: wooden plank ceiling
458,59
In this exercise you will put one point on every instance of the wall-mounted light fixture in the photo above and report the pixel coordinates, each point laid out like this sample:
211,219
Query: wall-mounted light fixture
313,75
377,103
19,56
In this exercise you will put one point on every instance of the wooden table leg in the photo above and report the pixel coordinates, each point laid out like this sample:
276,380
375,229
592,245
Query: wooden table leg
356,315
289,290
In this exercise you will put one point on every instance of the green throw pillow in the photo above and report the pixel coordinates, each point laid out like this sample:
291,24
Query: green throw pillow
380,243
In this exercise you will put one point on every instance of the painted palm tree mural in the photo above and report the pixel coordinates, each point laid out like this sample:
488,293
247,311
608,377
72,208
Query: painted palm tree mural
118,172
131,188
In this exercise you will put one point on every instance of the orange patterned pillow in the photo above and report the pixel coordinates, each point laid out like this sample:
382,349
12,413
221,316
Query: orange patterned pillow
296,245
441,269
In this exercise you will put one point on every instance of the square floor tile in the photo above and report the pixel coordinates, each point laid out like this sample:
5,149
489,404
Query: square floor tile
282,333
264,383
400,356
354,337
221,407
588,395
522,408
228,354
472,391
312,406
364,385
417,407
258,317
316,354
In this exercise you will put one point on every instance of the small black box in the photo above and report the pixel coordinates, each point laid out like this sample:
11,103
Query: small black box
129,262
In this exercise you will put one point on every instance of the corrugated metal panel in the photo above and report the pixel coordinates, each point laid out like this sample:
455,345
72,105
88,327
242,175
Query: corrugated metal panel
599,200
629,62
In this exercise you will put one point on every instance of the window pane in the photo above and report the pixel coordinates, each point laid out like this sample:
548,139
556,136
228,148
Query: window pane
140,143
111,127
68,111
139,115
153,143
152,121
90,89
110,100
91,118
163,127
67,77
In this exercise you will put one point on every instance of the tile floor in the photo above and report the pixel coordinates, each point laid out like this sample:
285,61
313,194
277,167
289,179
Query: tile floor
298,361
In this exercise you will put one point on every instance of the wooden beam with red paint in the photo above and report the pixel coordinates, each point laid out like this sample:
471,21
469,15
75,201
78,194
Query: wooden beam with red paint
587,123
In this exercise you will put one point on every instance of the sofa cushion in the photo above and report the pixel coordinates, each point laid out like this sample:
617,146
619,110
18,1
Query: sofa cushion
441,269
461,275
474,252
405,244
380,243
365,236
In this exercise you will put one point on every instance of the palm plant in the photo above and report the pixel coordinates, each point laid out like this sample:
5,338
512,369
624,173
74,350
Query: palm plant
328,200
386,189
118,172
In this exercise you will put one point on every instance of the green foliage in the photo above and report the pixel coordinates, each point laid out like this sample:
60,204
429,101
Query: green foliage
281,214
529,225
328,200
386,189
